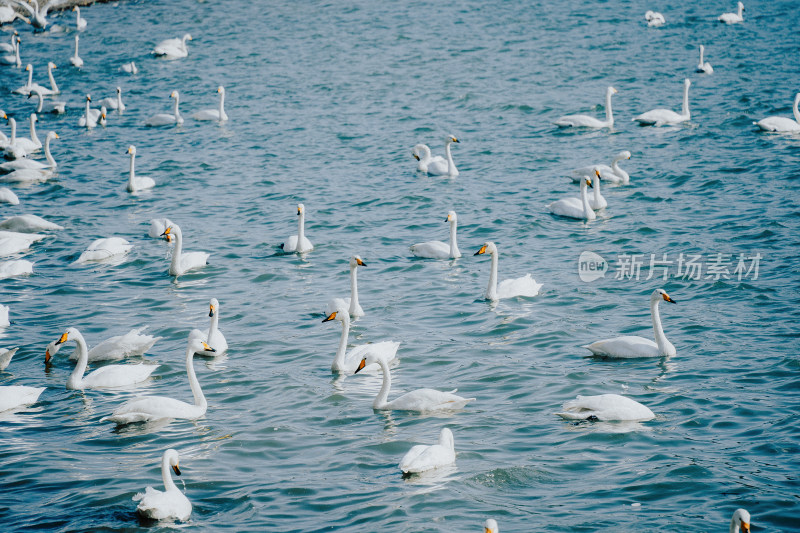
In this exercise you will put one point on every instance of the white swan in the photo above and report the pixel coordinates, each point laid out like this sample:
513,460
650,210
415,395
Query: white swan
170,504
120,346
660,117
4,323
422,154
157,228
26,89
490,526
654,19
183,261
10,149
298,243
38,14
740,521
574,208
12,59
597,201
782,124
53,87
173,48
144,408
14,396
611,174
114,103
704,67
7,196
130,68
139,183
449,169
9,15
5,47
105,249
12,269
214,114
634,346
106,376
33,144
13,242
421,458
25,163
733,18
420,400
28,224
49,106
605,407
438,249
80,22
213,337
586,121
348,363
165,119
350,304
90,116
76,60
525,286
5,357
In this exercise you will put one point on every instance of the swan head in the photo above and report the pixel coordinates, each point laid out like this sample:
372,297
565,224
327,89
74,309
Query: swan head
70,334
741,8
451,217
76,9
625,154
451,139
187,37
490,526
368,359
132,150
198,345
341,314
356,261
119,90
28,66
174,94
300,209
611,90
88,97
52,135
173,459
51,350
221,89
172,230
488,248
213,307
687,82
741,519
4,116
661,294
51,65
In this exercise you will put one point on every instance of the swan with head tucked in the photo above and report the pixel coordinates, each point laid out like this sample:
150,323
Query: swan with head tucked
213,337
130,68
103,377
298,243
605,407
32,164
660,117
80,22
170,504
214,114
118,347
114,103
76,59
490,526
436,168
7,196
654,19
740,521
586,121
420,400
421,458
438,249
173,48
27,176
28,224
15,396
12,269
138,183
782,124
348,363
525,286
733,18
12,59
49,106
573,207
91,117
350,304
165,119
704,67
105,249
14,242
145,408
422,154
182,261
635,346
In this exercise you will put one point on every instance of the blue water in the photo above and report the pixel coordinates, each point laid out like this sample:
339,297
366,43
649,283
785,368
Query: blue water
326,101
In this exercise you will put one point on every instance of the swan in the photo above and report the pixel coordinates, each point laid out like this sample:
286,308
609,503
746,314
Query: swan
80,22
782,124
120,346
13,242
8,15
10,149
740,518
422,154
145,408
104,249
5,357
438,249
14,396
733,18
138,183
114,103
25,163
76,59
420,400
50,106
27,176
12,59
574,208
214,114
90,116
173,48
183,261
298,243
9,47
213,337
157,228
634,346
704,67
597,201
28,224
106,376
38,14
659,117
18,267
586,121
102,119
7,196
350,304
437,169
605,407
525,286
610,174
165,119
130,68
4,323
171,503
654,19
348,363
53,87
490,526
421,458
33,144
26,89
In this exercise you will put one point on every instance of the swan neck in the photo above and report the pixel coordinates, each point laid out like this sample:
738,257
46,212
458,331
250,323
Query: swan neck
383,395
76,46
47,153
585,200
199,399
212,328
596,185
176,254
658,330
222,115
41,102
701,57
177,113
34,137
166,475
30,78
13,132
301,228
87,111
794,109
609,113
353,288
491,290
454,251
52,79
338,360
685,100
451,166
131,177
76,377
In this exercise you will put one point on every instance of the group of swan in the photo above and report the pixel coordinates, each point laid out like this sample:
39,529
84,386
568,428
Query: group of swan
173,48
213,337
436,165
92,117
138,183
345,362
439,249
581,208
525,286
610,174
350,304
167,119
661,117
182,261
422,458
587,121
29,86
298,243
12,57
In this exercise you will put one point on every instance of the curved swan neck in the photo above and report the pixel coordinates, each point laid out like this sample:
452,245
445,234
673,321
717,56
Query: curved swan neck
47,153
609,113
658,330
451,166
353,287
794,108
166,476
34,137
177,113
383,394
338,360
491,290
454,251
199,399
52,79
76,377
176,253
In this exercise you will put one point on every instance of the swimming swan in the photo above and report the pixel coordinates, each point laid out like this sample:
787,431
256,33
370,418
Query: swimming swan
782,124
76,59
438,249
733,18
422,154
14,242
704,67
654,19
574,207
12,59
214,114
104,249
114,103
49,106
213,337
350,304
18,267
525,286
436,168
138,183
80,22
611,174
597,201
5,356
740,520
420,400
120,346
173,48
183,261
422,458
4,323
634,346
165,119
28,223
586,121
38,15
490,526
660,117
130,68
171,503
145,408
7,196
605,407
91,117
298,243
347,363
33,144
